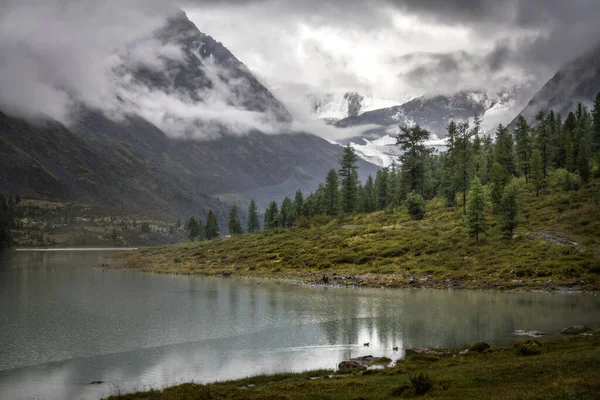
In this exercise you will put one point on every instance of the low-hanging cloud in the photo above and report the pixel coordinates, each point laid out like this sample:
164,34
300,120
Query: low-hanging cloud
56,55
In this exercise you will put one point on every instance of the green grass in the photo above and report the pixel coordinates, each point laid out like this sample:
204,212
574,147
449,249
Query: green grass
390,249
564,369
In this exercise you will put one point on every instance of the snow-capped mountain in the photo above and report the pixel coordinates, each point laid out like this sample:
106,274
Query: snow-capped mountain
376,143
334,106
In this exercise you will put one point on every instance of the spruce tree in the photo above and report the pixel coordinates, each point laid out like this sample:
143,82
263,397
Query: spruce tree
505,150
368,197
411,141
253,222
509,209
543,141
349,180
569,128
524,147
476,209
596,125
271,215
381,186
191,229
288,218
332,194
234,225
464,160
537,171
212,226
299,204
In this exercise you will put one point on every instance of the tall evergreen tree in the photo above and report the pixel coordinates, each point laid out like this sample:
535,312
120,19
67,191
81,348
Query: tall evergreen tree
212,226
368,196
499,179
414,151
299,204
332,194
543,140
349,180
596,125
288,218
537,171
235,225
253,222
271,216
505,150
464,160
381,186
509,209
191,229
476,209
524,147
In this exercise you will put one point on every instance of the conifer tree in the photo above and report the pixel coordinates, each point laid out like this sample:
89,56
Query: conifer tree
287,213
537,171
271,215
464,159
368,196
524,147
476,209
414,151
504,150
569,127
253,222
509,209
381,186
596,125
235,225
543,140
212,226
332,195
349,180
299,204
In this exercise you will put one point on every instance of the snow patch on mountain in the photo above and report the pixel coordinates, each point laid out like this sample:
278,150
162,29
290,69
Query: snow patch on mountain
334,106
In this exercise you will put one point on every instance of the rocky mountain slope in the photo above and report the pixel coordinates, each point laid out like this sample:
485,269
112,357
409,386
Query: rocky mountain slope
576,82
132,162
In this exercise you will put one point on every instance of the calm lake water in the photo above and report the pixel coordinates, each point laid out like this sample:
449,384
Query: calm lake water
64,324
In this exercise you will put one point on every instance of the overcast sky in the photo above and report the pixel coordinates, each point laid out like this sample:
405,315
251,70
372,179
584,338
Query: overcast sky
55,53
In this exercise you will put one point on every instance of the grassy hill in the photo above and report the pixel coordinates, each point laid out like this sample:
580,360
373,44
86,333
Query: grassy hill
556,246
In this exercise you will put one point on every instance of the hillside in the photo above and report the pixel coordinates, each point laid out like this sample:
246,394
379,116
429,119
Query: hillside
556,246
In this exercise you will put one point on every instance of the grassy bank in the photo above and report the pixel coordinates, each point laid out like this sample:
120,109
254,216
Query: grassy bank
564,369
557,245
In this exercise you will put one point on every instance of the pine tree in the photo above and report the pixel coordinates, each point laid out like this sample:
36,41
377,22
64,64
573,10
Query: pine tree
287,213
234,225
212,226
381,187
414,151
509,209
332,194
524,147
271,215
537,171
583,161
368,196
464,159
569,142
299,204
543,141
582,143
596,125
504,150
191,229
476,209
349,180
253,223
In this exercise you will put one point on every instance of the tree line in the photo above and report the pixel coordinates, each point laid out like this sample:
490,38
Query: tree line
7,218
473,171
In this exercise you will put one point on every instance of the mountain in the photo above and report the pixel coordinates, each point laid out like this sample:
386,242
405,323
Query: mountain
377,143
334,106
576,82
131,162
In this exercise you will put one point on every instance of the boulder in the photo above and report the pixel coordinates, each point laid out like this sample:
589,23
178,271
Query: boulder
575,330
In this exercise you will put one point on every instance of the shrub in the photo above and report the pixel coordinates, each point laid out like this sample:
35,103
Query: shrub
416,205
530,347
479,347
566,180
422,383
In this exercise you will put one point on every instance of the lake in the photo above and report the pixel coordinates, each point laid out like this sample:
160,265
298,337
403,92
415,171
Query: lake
64,324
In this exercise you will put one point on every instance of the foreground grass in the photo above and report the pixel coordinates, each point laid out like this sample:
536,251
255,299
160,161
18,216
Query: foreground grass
565,369
557,245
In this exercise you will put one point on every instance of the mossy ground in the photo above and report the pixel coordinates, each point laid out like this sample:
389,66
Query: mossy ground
564,369
556,245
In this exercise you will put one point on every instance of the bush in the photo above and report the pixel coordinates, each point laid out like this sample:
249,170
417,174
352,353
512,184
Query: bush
479,347
530,347
422,383
416,205
566,180
303,223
